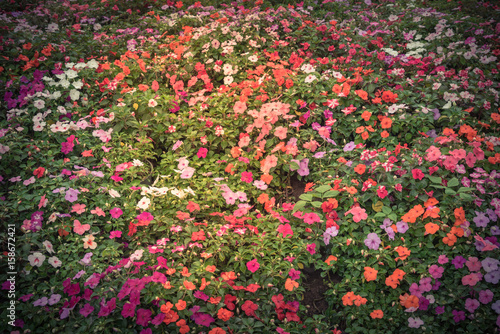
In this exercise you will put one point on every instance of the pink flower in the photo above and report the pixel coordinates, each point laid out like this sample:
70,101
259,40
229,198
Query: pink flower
115,234
417,174
311,218
311,248
470,279
382,192
187,173
253,265
78,208
247,177
202,152
116,212
285,229
436,271
98,211
398,187
358,214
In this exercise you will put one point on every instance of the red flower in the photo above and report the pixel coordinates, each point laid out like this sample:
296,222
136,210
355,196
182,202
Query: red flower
39,172
417,174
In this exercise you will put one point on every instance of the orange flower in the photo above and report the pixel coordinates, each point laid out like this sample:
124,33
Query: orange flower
370,274
171,271
170,316
166,307
360,169
184,328
458,231
235,152
215,301
229,169
263,198
377,314
348,298
291,284
351,190
266,178
365,135
211,269
226,276
185,272
362,94
399,274
224,314
358,301
408,301
204,283
384,134
360,129
403,253
459,216
450,239
217,330
413,214
329,260
431,228
180,305
188,285
366,115
386,123
167,285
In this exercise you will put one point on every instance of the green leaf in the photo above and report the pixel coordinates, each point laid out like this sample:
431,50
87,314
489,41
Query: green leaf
465,197
294,165
450,191
306,197
299,205
453,182
323,188
316,204
434,179
330,193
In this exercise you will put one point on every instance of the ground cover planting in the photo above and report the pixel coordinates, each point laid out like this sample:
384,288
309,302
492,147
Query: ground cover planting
250,167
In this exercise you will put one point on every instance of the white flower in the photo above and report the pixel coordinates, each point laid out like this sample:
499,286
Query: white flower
93,64
48,246
137,163
52,27
55,95
152,103
36,259
228,80
62,110
64,83
78,84
55,262
113,193
97,26
39,104
144,203
310,78
38,126
71,74
74,94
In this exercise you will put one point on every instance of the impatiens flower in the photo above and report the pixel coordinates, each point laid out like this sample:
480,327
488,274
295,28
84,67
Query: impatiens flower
415,322
311,218
202,152
471,305
247,177
372,241
54,299
115,234
54,261
48,246
36,259
382,192
436,271
481,219
187,173
71,195
330,233
41,302
417,174
88,242
485,296
294,274
358,214
144,203
116,212
402,227
311,248
285,229
253,265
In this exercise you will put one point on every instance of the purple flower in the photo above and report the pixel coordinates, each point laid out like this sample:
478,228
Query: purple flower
492,215
458,262
349,146
439,309
425,284
71,195
402,226
330,233
203,319
471,305
41,302
492,277
304,169
415,290
481,219
55,298
490,264
423,304
86,261
372,241
458,315
496,306
485,296
36,221
158,319
415,322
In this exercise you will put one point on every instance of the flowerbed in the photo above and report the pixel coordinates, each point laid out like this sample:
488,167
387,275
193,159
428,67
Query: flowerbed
148,150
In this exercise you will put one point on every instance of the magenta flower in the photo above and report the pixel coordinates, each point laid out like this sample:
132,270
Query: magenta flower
247,177
436,271
128,310
253,265
115,234
294,274
86,310
417,175
311,248
485,296
285,229
471,305
202,152
143,317
116,212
